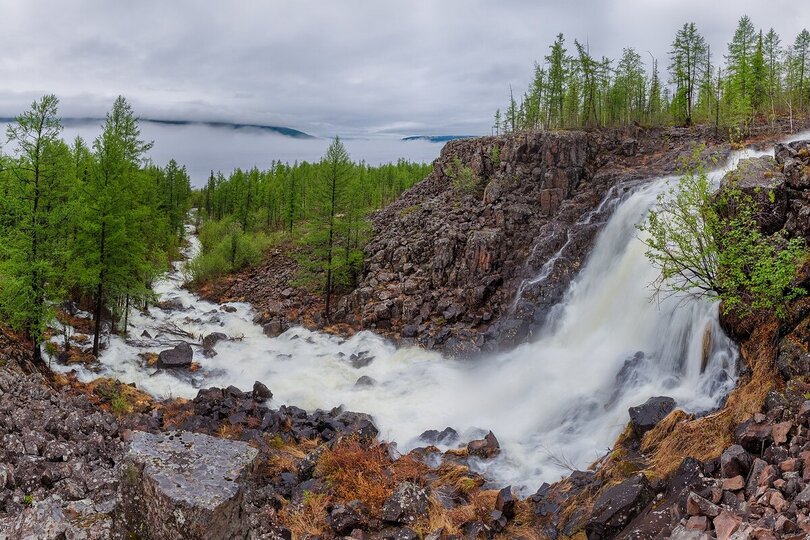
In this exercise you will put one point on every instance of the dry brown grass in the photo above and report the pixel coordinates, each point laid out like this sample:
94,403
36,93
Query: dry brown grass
479,506
653,438
284,456
706,438
308,518
175,412
458,477
523,524
230,431
355,471
116,397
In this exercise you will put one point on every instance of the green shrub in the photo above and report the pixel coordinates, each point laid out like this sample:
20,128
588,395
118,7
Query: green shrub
462,177
495,156
225,248
710,245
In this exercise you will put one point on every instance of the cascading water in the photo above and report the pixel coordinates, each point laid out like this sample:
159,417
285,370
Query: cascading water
561,399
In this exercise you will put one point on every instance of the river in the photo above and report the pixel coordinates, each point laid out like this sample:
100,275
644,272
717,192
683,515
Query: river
553,403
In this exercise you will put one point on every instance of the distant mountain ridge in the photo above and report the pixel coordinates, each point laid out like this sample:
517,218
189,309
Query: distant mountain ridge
437,138
280,130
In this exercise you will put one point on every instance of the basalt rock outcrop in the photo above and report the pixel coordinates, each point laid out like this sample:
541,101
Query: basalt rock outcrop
454,262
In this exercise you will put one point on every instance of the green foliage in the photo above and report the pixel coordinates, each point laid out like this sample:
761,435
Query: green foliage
707,244
35,186
28,500
760,80
462,177
495,155
305,202
77,222
226,248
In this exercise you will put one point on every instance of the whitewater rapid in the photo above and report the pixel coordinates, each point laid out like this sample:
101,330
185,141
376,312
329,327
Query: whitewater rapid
552,403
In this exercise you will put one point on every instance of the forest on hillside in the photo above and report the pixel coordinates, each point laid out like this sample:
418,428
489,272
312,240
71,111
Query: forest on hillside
91,224
322,208
759,79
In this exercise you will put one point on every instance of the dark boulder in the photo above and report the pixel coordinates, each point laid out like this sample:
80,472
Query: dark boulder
617,506
735,461
343,519
261,392
505,502
171,304
645,417
485,448
273,329
753,436
447,436
365,380
407,505
395,533
178,357
212,339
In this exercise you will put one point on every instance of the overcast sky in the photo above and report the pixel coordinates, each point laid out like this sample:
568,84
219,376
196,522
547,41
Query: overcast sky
330,67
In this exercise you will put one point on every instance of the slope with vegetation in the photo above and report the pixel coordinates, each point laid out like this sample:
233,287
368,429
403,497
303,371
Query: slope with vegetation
311,217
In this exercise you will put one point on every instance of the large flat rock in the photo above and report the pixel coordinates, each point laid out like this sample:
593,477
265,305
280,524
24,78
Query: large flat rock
184,485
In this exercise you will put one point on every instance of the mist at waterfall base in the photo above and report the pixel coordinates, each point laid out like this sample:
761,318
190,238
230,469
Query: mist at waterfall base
203,148
556,402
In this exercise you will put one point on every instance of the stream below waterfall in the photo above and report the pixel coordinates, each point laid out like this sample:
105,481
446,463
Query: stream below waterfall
558,401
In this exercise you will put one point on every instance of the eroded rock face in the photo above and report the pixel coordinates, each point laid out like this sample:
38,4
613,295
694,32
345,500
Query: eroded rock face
759,179
184,485
452,269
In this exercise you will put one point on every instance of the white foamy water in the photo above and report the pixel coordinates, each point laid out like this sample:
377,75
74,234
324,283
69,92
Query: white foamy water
550,401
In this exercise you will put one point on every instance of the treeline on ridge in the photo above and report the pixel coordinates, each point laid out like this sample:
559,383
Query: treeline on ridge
759,81
94,225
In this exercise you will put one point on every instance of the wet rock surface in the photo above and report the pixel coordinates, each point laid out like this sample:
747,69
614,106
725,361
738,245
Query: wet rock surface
645,417
178,357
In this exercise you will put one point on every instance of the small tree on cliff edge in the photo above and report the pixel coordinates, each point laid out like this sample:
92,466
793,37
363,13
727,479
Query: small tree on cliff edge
710,245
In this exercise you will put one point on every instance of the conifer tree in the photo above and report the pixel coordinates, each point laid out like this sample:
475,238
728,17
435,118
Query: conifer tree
32,244
111,256
687,63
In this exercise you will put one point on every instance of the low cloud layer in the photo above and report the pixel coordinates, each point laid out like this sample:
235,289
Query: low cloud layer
348,67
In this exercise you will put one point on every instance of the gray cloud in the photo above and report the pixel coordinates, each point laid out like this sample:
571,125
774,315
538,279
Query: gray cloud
347,67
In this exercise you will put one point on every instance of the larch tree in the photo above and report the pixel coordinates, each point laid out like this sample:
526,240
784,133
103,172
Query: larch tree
800,66
739,69
773,54
557,61
111,253
687,63
32,242
331,194
759,77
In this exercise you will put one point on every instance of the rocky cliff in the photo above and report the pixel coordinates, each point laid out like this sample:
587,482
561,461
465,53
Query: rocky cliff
474,256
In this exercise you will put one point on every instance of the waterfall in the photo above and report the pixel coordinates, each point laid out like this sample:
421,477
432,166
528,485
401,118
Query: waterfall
559,400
